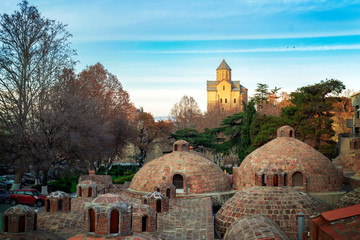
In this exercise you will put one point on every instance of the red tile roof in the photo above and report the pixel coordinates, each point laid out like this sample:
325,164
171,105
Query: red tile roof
343,223
341,213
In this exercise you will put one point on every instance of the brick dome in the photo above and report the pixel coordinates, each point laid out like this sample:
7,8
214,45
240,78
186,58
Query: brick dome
304,167
57,194
87,183
350,160
281,204
349,199
190,172
20,210
254,227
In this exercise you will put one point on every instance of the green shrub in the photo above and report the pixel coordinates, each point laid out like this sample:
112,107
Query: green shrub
123,179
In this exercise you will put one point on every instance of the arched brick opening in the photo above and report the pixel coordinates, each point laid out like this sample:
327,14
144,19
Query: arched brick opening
145,201
69,204
178,181
263,179
291,133
285,179
91,220
158,189
183,147
297,179
6,224
175,147
80,192
35,221
114,221
60,203
275,180
168,192
48,205
89,191
144,223
158,205
21,224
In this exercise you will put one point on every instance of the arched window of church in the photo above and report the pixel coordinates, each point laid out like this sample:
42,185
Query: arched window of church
220,100
224,88
225,100
234,100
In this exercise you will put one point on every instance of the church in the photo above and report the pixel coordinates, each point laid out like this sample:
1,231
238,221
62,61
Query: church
225,93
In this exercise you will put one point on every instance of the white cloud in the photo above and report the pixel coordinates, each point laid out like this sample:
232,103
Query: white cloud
257,50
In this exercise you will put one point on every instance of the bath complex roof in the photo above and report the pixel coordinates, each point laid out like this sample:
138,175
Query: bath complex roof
281,204
291,155
109,198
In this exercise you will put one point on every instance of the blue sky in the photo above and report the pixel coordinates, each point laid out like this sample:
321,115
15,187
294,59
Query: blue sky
162,50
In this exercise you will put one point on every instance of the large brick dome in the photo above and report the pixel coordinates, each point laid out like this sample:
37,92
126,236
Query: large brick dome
190,172
303,166
280,204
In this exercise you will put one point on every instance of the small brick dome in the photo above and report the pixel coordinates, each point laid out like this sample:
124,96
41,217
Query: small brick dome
20,210
190,172
87,183
19,219
350,160
349,199
281,204
254,227
57,201
304,167
57,195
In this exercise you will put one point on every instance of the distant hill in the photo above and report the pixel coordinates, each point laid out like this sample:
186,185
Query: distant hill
162,118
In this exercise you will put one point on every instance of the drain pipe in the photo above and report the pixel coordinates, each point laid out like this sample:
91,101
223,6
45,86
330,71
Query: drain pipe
300,217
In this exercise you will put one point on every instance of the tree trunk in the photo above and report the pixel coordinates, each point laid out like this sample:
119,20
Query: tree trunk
18,177
44,189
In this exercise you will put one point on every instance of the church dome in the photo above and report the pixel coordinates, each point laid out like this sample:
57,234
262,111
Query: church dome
303,166
190,172
280,204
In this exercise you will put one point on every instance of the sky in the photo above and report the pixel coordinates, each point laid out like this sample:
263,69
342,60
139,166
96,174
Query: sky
162,50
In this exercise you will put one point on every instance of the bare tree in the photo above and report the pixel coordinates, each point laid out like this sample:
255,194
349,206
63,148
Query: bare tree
186,113
33,51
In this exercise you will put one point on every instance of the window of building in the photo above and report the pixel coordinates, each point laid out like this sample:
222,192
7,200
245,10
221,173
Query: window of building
158,205
60,203
275,180
114,221
224,88
144,221
225,100
91,220
297,179
178,181
220,100
21,224
234,100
